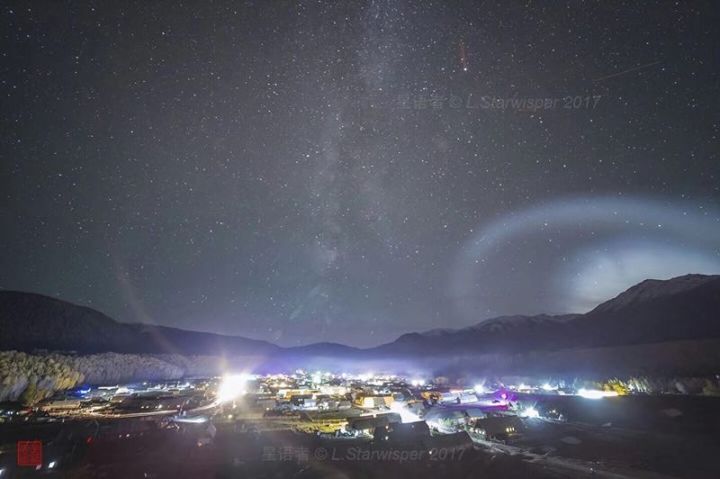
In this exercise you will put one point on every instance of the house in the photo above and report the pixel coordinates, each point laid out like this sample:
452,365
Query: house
374,400
305,401
498,427
446,420
368,424
61,405
402,432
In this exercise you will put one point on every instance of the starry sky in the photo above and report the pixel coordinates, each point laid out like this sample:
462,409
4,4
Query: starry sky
303,171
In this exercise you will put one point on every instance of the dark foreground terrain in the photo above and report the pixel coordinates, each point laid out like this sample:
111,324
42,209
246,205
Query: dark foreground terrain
633,436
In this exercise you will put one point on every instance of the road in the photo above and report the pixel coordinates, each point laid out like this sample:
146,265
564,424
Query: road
166,412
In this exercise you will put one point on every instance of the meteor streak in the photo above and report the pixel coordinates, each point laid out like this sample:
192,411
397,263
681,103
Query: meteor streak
641,67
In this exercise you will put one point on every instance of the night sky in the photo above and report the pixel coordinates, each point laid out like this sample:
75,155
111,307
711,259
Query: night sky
351,171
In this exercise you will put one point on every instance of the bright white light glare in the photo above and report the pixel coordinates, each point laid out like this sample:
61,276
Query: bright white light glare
191,420
231,386
417,382
596,394
317,377
547,387
530,412
51,464
479,388
406,415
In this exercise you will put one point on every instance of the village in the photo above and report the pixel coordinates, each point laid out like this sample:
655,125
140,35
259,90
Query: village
243,420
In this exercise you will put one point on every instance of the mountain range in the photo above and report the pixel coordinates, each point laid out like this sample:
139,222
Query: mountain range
31,321
653,311
682,309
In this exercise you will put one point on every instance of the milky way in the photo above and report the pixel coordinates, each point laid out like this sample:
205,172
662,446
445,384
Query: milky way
351,171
